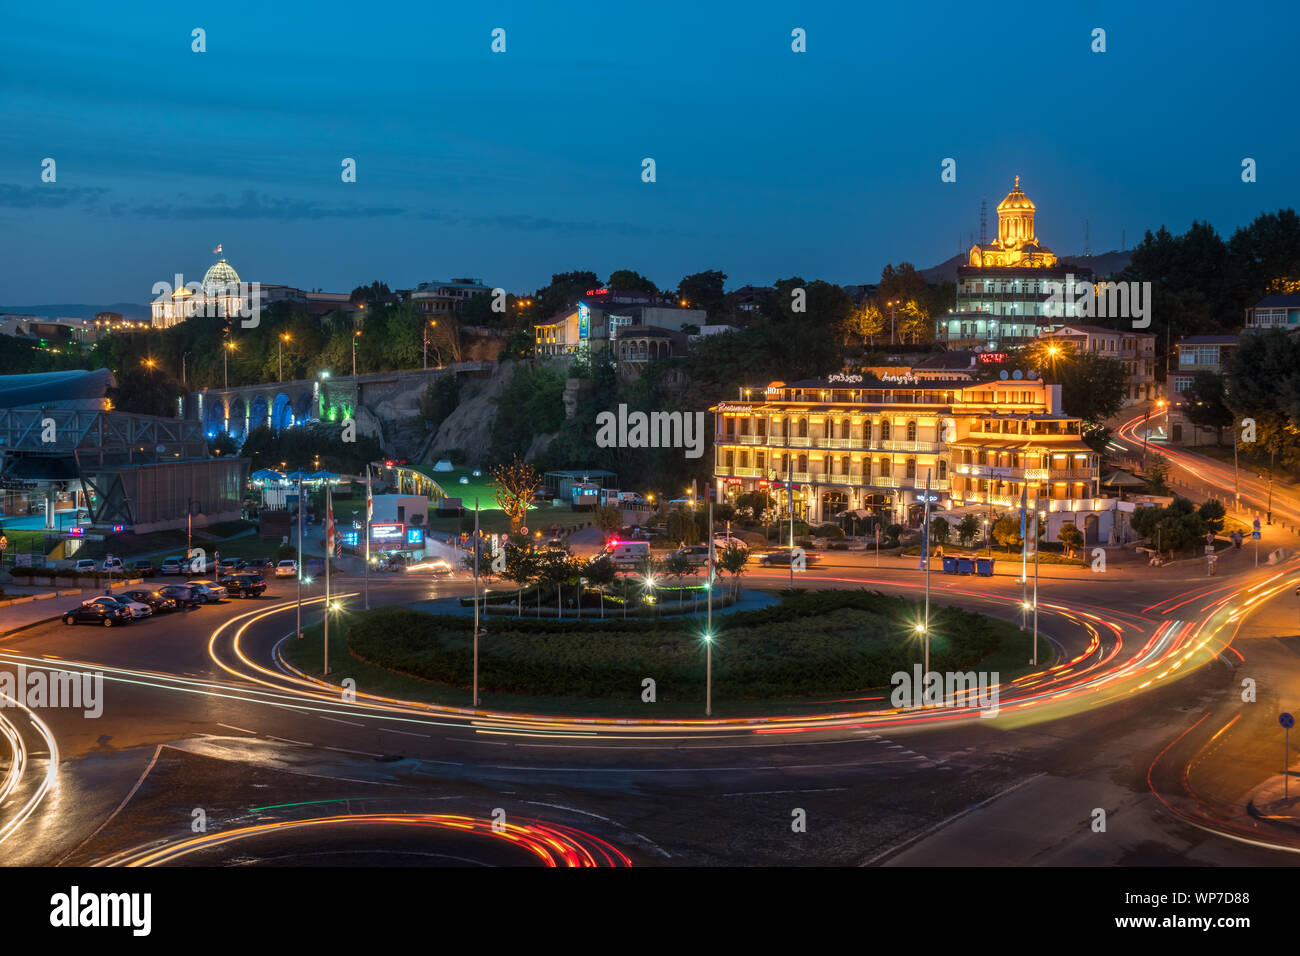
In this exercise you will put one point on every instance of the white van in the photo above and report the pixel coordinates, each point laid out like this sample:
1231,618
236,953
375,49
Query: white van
626,554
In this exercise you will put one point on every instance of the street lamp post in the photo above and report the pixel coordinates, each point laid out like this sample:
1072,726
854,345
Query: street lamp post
284,337
708,627
356,335
225,365
1036,517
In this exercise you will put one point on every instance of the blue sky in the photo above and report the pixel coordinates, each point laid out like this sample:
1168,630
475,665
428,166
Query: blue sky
509,167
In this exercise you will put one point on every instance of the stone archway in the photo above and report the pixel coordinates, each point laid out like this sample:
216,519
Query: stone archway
281,412
259,413
214,420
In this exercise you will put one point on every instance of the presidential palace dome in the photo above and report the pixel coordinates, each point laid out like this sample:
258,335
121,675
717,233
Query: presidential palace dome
220,275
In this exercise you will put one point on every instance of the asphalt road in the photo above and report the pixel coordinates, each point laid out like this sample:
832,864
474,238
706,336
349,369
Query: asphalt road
209,752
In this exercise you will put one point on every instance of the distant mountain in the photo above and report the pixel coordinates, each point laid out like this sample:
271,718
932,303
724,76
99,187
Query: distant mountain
129,310
1108,263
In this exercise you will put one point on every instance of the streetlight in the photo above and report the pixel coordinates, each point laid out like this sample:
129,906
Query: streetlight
891,303
431,324
355,335
708,675
225,365
284,337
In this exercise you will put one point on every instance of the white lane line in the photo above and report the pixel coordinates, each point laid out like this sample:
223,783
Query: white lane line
286,740
240,729
763,793
408,733
350,723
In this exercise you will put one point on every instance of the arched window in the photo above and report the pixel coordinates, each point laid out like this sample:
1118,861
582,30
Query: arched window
803,428
845,465
911,431
884,429
803,463
943,469
866,431
911,468
846,429
886,468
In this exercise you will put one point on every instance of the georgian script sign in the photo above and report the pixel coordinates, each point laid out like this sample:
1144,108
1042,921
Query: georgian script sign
843,377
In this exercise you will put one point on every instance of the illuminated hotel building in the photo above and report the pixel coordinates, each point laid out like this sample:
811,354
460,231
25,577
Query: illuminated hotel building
1003,291
854,442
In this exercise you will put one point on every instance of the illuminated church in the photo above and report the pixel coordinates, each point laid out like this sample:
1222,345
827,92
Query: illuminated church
1003,290
217,295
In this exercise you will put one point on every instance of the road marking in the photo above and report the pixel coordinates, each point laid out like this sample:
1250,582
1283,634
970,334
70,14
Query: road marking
286,740
350,723
763,793
240,729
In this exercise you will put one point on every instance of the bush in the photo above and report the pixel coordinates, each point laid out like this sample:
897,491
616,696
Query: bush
832,531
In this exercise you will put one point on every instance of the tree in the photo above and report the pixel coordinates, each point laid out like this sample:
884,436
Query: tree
1070,537
1157,476
1213,513
556,567
521,567
940,530
703,290
682,526
678,566
515,484
967,529
865,322
1092,386
916,321
607,517
625,280
600,572
1006,532
1205,403
733,559
144,388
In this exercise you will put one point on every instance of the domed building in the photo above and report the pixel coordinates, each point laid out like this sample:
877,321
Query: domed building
221,293
1004,290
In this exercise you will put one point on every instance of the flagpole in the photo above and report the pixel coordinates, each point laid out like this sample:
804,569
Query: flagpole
789,494
300,552
329,546
1035,660
708,628
926,552
1024,559
475,698
369,507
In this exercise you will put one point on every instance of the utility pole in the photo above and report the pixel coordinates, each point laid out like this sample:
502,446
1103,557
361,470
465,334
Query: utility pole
329,548
708,627
557,603
925,551
1035,659
300,552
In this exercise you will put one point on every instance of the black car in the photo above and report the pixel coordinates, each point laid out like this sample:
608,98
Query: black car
186,597
781,557
141,569
243,585
155,599
105,615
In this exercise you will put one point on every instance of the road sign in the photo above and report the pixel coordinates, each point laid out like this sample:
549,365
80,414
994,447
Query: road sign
523,529
1257,526
1286,720
1255,535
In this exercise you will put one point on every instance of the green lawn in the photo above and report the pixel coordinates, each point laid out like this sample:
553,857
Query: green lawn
815,647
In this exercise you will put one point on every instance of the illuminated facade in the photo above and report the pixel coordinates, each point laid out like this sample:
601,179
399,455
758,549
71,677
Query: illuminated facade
1003,290
857,442
219,294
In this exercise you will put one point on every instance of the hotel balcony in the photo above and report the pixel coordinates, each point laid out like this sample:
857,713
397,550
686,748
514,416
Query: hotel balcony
831,444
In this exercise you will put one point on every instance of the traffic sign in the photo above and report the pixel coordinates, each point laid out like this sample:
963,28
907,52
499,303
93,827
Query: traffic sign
1255,536
1286,720
1257,526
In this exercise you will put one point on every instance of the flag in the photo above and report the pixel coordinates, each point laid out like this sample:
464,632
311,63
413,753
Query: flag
329,524
217,250
1024,503
370,499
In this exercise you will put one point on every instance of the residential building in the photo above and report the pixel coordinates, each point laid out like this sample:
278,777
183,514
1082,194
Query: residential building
1275,312
590,327
436,299
853,442
1199,353
1135,350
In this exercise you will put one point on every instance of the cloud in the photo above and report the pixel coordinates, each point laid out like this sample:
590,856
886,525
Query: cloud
49,196
253,205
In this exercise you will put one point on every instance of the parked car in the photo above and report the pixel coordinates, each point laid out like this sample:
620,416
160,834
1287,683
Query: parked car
134,608
244,585
288,568
723,541
155,599
171,566
85,566
113,566
142,569
186,597
230,566
105,615
781,557
697,554
212,591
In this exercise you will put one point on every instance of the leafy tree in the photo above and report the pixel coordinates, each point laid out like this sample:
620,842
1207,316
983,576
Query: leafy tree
565,288
1206,403
521,567
826,305
601,572
1006,532
1157,476
1070,537
515,484
683,527
625,280
967,529
1213,512
531,403
864,322
145,389
1092,386
733,560
703,290
607,517
940,530
679,566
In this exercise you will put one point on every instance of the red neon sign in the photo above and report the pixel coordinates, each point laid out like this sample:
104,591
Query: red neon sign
597,292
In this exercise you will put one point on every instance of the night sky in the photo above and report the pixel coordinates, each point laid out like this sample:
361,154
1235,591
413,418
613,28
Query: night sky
509,167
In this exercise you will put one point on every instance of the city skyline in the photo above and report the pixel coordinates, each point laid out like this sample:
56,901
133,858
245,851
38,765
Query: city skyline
512,166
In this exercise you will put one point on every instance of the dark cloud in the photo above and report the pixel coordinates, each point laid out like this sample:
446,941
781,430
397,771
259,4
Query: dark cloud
49,196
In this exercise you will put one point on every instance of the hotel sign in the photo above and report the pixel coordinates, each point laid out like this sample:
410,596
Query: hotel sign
843,377
725,407
988,358
906,379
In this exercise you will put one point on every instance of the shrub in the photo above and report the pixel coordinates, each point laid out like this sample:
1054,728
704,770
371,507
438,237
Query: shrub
832,531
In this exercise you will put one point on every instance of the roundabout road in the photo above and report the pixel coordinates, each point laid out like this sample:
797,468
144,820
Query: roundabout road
200,723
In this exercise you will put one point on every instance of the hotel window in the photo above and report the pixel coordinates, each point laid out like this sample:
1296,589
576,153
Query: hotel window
758,460
803,463
729,457
886,468
744,459
803,428
866,468
911,431
844,465
911,468
846,428
884,430
866,431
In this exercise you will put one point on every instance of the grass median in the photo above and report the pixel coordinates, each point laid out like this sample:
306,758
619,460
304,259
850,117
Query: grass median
814,652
